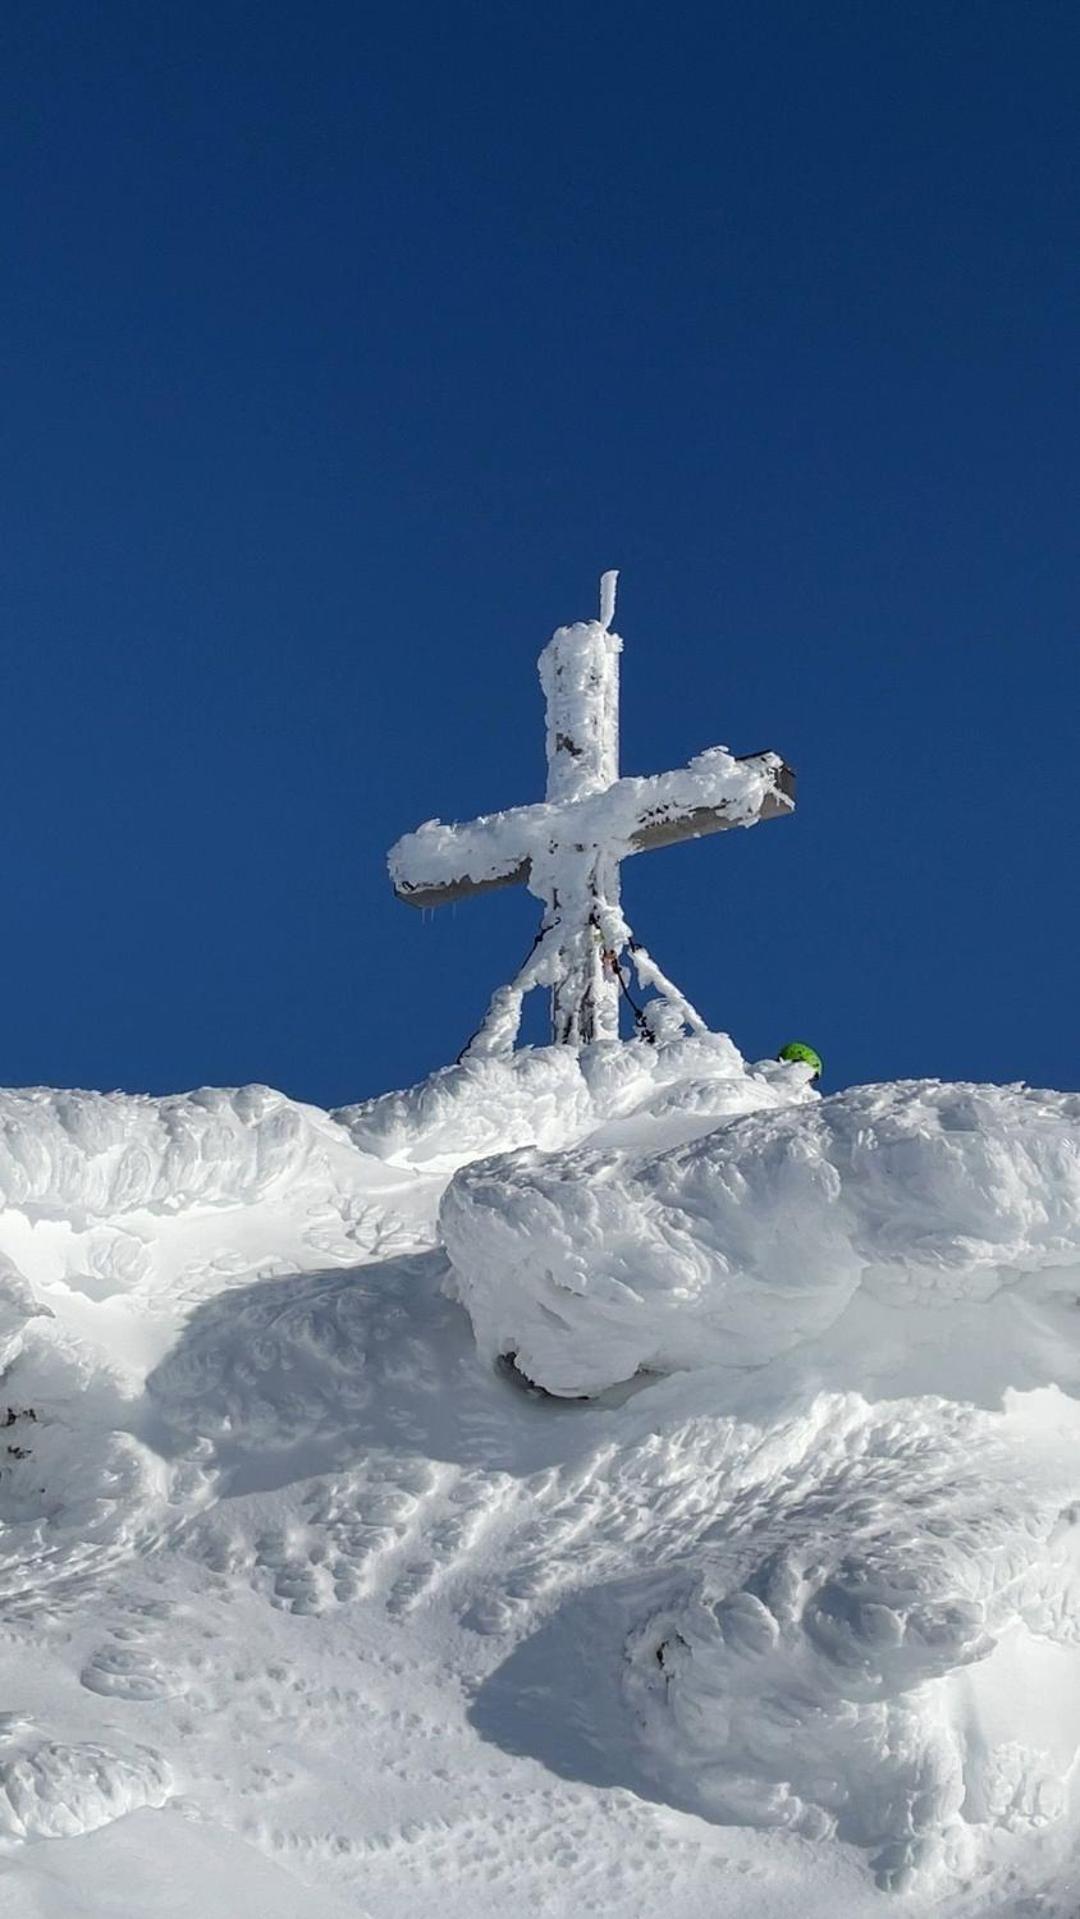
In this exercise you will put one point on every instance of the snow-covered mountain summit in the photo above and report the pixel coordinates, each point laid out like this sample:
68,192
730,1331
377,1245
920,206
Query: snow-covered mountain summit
583,1482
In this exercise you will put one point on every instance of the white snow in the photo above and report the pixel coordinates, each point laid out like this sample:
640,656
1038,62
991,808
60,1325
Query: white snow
48,1791
309,1603
569,850
492,848
554,1096
97,1155
594,1265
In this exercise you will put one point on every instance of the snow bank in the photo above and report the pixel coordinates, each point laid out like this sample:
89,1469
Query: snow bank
18,1307
872,1634
76,1155
555,1096
482,1105
53,1791
598,1262
822,1578
882,1643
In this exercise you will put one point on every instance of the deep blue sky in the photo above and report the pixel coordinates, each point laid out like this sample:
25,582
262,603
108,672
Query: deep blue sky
342,346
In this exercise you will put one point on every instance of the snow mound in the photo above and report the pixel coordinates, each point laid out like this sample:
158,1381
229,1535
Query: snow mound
880,1643
77,1155
76,1492
598,1262
554,1096
53,1791
18,1306
872,1636
272,1524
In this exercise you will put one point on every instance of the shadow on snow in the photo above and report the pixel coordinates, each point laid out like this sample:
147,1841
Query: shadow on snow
296,1376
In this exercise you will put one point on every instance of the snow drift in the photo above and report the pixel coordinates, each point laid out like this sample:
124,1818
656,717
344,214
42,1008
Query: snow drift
854,1645
74,1154
555,1096
883,1645
284,1556
593,1264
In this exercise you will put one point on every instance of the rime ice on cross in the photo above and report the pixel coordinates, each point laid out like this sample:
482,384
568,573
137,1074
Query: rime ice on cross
568,849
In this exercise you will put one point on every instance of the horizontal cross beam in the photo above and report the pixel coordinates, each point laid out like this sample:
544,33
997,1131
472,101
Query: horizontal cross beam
439,864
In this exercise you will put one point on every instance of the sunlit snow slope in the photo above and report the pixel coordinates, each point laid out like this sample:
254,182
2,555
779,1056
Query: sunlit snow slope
605,1484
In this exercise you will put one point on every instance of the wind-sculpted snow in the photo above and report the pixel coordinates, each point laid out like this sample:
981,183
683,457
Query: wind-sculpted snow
595,1263
298,1579
836,1660
478,1106
18,1306
874,1638
96,1155
52,1791
553,1096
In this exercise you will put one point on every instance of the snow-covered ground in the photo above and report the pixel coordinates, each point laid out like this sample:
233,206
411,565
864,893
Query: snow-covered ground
605,1484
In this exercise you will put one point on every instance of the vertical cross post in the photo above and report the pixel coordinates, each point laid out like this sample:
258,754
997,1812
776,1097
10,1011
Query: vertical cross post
579,672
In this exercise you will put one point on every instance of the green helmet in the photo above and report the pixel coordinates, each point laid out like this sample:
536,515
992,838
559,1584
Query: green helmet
796,1049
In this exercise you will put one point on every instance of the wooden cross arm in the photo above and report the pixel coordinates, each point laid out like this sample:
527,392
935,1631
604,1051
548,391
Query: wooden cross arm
669,824
439,864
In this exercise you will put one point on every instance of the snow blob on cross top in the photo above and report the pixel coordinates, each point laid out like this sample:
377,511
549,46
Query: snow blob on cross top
568,849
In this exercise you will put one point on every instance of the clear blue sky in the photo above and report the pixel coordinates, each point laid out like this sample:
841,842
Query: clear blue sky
343,345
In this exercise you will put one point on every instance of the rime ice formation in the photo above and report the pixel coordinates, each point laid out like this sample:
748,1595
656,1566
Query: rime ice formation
594,1264
492,850
308,1602
568,851
101,1154
823,1666
552,1096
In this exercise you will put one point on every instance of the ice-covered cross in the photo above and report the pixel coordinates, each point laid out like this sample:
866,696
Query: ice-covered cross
567,850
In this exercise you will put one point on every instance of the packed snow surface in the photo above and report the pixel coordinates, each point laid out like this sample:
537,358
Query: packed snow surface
598,1483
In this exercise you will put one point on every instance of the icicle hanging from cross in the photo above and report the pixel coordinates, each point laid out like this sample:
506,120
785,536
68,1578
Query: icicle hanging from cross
568,849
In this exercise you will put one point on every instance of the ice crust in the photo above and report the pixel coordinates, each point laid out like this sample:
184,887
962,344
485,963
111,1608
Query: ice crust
279,1542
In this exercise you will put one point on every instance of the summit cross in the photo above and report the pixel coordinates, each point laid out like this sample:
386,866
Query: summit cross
567,849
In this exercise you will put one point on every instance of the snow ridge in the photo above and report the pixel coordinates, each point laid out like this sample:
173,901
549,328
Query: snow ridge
751,1589
595,1264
